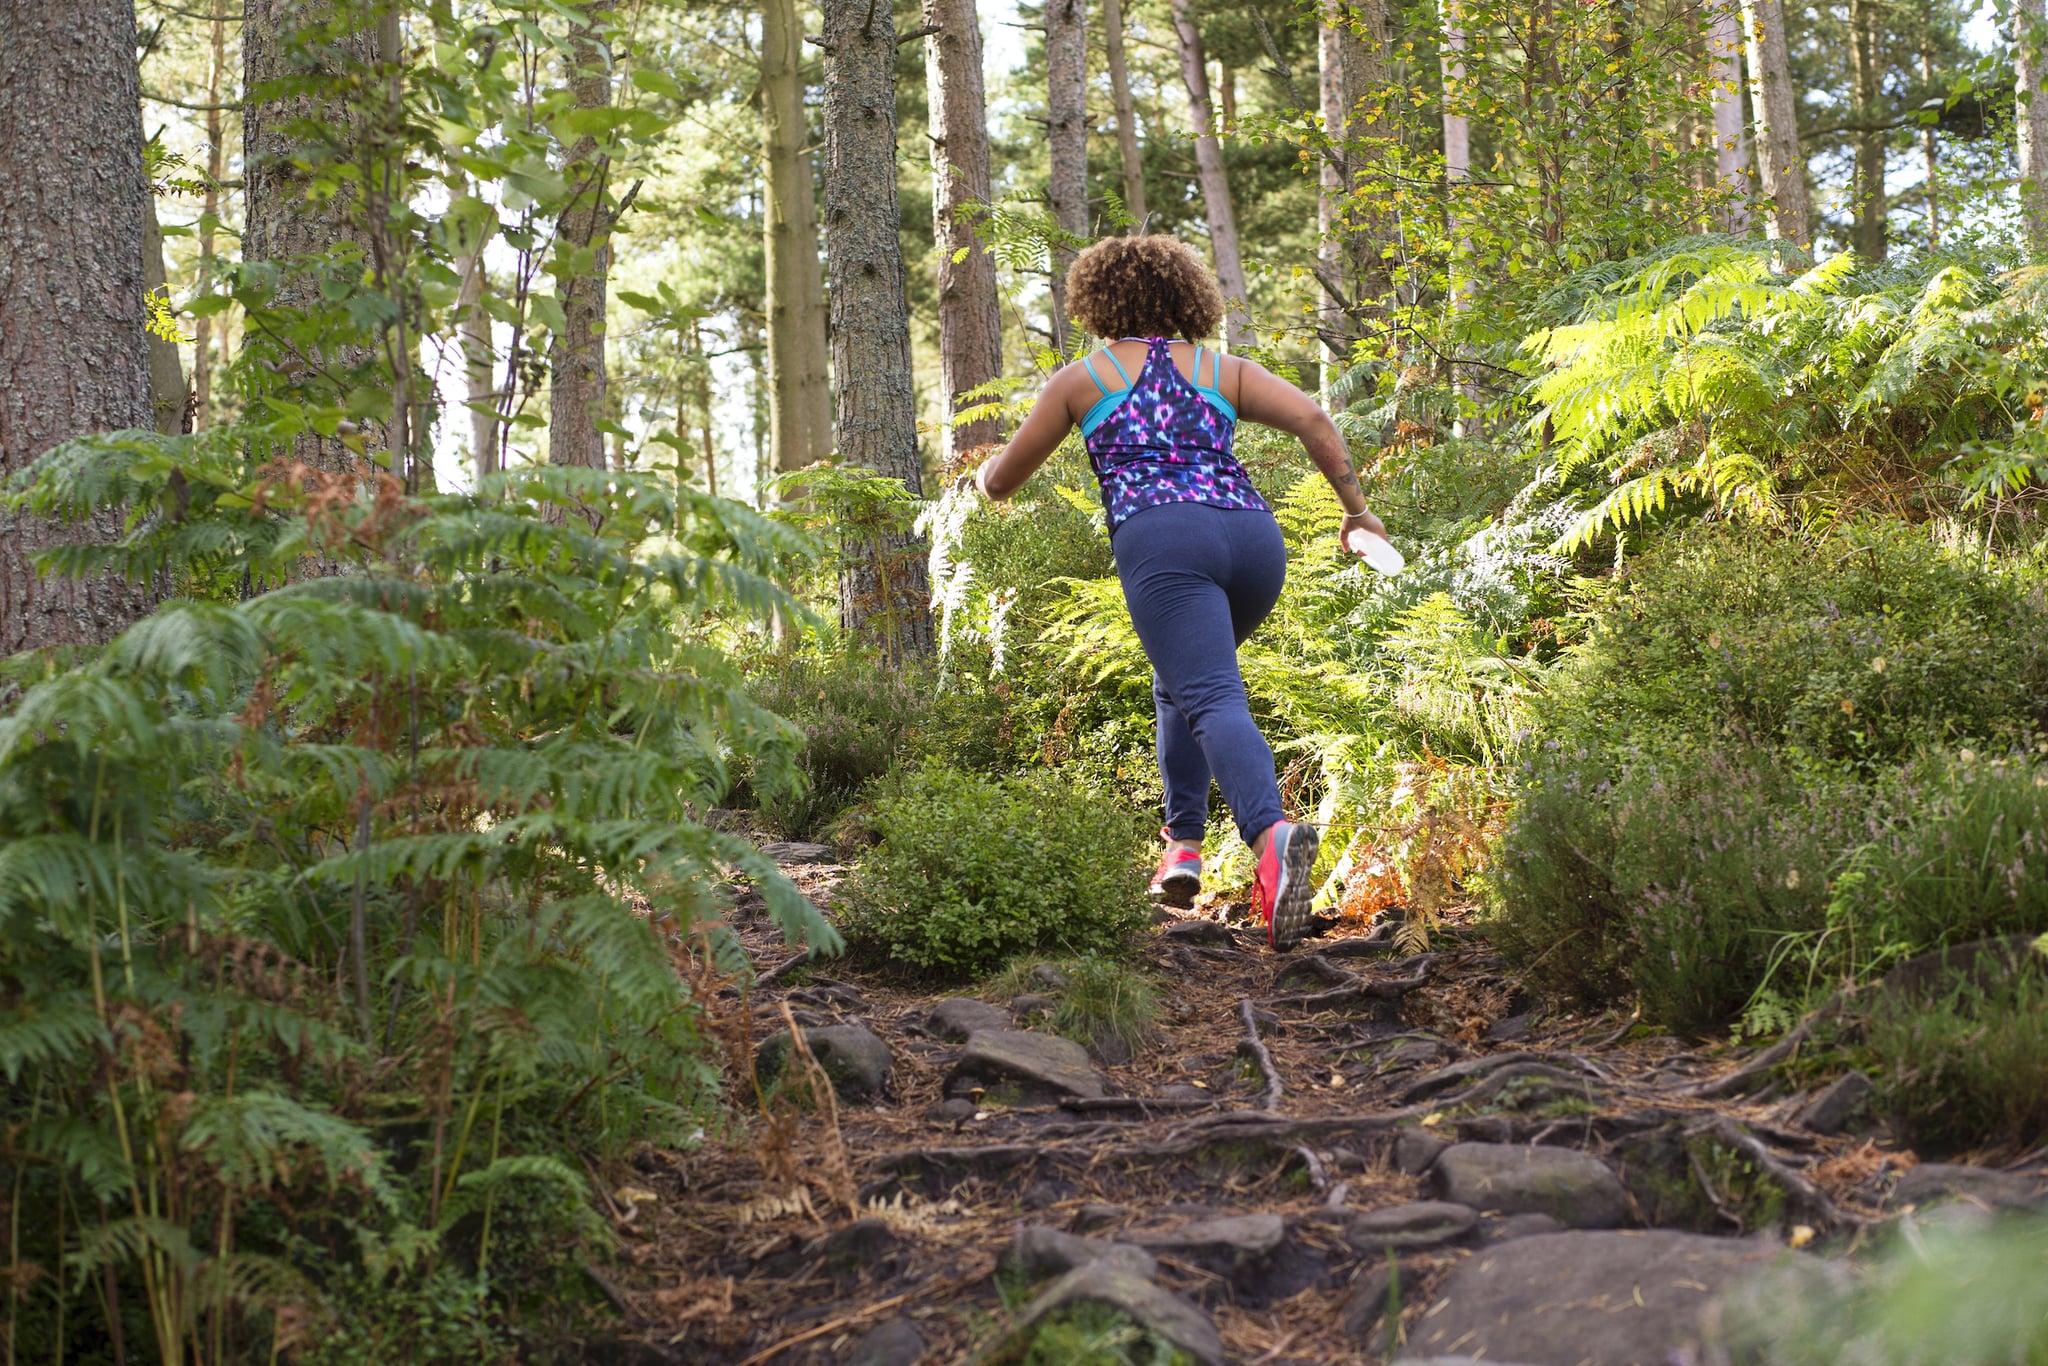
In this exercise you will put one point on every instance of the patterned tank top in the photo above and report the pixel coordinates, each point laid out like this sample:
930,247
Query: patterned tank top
1164,439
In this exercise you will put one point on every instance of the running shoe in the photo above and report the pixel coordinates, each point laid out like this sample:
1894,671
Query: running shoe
1178,877
1281,887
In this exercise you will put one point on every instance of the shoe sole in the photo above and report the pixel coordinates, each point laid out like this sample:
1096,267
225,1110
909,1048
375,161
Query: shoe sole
1291,899
1177,890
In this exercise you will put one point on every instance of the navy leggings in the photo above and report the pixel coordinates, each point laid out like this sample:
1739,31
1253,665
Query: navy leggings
1198,581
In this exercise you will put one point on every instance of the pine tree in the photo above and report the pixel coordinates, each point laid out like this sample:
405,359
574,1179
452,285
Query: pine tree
576,369
1194,72
72,346
970,321
1126,113
799,393
884,594
1066,137
2032,120
1781,167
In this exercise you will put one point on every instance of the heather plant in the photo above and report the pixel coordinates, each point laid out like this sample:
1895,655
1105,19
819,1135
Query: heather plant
971,871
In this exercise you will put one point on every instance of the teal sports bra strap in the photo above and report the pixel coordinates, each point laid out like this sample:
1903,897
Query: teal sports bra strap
1119,366
1088,364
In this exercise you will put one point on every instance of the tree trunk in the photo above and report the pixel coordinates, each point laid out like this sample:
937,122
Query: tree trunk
1194,73
884,594
709,446
1780,165
1126,113
970,323
1868,193
479,357
576,373
72,345
1066,104
285,228
169,399
2032,120
1457,170
1731,135
1930,151
209,217
1339,287
799,395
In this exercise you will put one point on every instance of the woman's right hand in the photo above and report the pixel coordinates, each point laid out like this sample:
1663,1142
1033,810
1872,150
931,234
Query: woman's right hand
1362,520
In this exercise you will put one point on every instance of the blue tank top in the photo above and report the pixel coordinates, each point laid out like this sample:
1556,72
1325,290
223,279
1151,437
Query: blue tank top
1164,439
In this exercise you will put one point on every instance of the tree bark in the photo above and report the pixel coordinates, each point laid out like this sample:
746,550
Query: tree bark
209,218
1194,74
2032,120
1333,184
168,397
286,228
1781,167
970,321
1457,170
884,593
1932,153
1868,192
799,395
1731,135
576,371
72,345
479,357
1066,79
1126,113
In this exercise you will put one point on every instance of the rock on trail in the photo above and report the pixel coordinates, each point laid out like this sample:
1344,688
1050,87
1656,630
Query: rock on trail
1564,1299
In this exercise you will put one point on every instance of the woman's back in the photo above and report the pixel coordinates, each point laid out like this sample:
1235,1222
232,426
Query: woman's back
1162,431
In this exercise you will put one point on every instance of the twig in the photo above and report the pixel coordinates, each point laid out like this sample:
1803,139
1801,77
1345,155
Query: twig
1607,1040
783,969
834,1325
1317,1177
1256,1049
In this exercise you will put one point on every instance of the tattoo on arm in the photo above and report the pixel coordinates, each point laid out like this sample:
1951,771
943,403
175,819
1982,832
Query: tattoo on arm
1347,479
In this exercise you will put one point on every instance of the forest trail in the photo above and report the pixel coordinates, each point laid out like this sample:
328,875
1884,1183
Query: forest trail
1270,1179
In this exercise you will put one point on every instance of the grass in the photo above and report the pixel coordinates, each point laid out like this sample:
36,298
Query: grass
1106,1005
1967,1069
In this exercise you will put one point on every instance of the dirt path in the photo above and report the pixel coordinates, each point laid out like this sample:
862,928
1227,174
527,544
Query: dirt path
1317,1087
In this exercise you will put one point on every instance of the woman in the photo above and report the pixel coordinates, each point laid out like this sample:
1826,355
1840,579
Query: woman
1197,549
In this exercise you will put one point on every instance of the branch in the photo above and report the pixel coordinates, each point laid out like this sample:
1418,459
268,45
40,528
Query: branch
155,98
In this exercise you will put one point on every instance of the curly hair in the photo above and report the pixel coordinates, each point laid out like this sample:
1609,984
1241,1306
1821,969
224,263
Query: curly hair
1149,286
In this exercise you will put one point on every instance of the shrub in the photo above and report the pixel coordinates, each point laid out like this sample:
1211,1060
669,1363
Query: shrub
853,712
1096,1335
1967,1069
860,717
972,871
1864,646
1676,875
1742,767
1964,855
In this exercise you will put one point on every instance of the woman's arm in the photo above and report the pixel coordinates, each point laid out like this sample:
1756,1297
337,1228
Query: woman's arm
1263,397
1051,418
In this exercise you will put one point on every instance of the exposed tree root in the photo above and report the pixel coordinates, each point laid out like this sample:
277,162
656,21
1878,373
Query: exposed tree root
1806,1199
1255,1048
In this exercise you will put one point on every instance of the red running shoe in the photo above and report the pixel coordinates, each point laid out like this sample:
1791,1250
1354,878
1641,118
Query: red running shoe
1178,877
1281,888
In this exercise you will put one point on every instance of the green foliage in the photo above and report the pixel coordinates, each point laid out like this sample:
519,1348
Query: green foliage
973,871
1963,1070
444,1317
1966,1292
1700,375
1742,771
1107,1005
1096,1335
860,717
358,893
